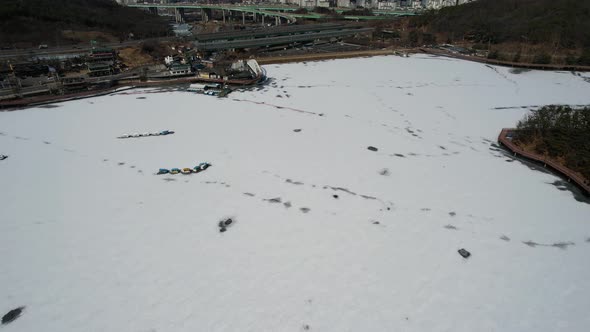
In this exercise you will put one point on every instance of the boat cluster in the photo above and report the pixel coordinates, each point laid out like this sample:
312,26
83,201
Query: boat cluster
156,133
199,168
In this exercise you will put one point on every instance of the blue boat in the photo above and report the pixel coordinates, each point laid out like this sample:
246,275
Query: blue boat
163,171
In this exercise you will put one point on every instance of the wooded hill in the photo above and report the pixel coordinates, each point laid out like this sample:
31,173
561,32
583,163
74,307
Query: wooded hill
560,132
561,23
42,21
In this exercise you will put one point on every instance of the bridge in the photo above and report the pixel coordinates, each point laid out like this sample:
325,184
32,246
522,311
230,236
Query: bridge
259,13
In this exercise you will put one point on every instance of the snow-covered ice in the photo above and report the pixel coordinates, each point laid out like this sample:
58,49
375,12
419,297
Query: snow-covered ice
92,240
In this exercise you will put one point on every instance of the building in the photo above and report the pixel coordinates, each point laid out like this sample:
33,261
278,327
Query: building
96,69
178,69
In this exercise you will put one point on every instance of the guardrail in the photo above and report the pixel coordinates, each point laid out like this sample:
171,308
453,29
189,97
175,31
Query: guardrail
505,139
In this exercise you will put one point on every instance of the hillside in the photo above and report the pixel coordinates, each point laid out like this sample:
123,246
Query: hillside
44,21
559,23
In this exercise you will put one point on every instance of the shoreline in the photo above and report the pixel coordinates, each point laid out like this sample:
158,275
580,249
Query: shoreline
14,104
524,65
557,168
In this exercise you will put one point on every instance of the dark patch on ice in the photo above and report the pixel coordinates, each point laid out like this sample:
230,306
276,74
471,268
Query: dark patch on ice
141,98
279,96
120,163
12,315
105,160
294,182
70,150
321,114
449,226
518,71
384,172
452,213
169,179
341,189
372,148
588,240
287,204
562,245
139,171
306,327
297,130
274,200
424,209
249,194
515,107
132,166
399,155
376,222
22,138
509,160
335,196
368,197
46,142
49,106
442,147
564,185
505,238
304,209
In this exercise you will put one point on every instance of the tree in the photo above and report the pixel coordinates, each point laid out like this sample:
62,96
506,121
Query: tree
542,59
584,59
413,38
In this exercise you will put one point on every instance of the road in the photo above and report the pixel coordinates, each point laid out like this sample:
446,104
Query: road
70,49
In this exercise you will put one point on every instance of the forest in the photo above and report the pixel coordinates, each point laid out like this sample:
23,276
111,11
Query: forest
561,23
560,132
42,21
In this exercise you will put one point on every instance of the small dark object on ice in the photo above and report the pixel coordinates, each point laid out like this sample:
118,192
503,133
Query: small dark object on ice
464,253
224,224
274,200
372,148
335,196
12,315
3,156
296,130
376,223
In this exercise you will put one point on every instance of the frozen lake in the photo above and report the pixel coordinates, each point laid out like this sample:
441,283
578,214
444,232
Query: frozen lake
328,235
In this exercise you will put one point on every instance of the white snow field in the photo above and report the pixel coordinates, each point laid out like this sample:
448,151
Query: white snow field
92,240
